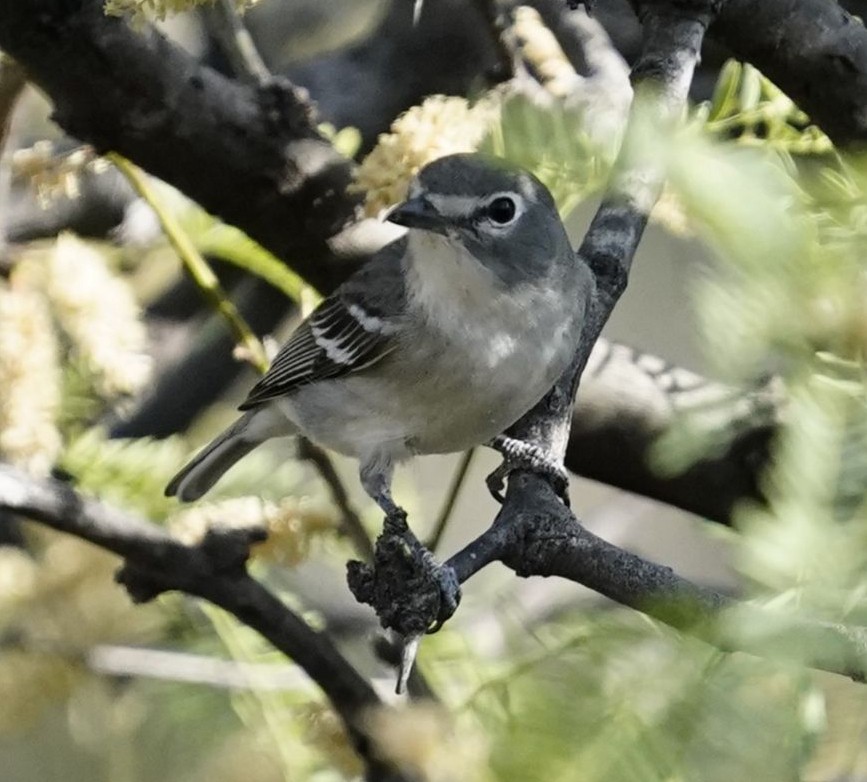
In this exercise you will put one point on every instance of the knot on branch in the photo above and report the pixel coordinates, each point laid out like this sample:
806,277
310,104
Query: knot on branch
141,585
228,548
534,527
222,553
409,590
286,108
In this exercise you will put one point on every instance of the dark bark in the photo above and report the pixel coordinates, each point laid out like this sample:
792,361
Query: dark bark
814,50
250,155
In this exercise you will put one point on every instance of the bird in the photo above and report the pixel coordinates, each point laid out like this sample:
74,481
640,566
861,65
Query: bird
439,343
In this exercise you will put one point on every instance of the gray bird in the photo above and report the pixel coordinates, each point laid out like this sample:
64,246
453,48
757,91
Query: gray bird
440,343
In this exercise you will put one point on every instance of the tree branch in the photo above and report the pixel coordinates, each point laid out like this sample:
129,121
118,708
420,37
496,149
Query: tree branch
251,155
214,570
815,51
535,535
224,21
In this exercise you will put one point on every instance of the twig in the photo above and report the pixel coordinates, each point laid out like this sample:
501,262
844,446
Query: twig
236,42
195,264
174,666
171,666
350,521
214,570
12,83
457,482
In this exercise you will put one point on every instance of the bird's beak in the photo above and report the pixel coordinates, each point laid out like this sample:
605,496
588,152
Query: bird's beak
417,212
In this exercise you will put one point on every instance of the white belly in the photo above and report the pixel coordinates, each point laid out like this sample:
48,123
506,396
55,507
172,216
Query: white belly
436,395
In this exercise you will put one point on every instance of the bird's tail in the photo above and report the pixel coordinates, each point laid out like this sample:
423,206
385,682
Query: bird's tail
249,431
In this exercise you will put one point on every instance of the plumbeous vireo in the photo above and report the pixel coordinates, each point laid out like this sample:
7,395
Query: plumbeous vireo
440,342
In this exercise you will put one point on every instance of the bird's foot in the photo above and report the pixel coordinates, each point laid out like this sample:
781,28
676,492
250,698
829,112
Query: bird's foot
411,592
518,455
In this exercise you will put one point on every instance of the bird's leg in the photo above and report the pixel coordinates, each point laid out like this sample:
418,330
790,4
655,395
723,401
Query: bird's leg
518,455
410,591
376,478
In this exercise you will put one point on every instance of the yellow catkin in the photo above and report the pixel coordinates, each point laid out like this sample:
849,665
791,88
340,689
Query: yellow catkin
142,10
54,174
543,52
291,524
98,311
29,380
669,212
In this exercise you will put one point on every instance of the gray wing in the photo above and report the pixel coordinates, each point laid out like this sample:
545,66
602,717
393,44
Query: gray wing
349,331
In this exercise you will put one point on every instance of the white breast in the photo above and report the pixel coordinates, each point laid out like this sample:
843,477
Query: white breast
495,351
446,281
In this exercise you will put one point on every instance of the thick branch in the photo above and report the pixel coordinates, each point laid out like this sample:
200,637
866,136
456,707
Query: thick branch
214,570
630,399
815,51
535,535
251,155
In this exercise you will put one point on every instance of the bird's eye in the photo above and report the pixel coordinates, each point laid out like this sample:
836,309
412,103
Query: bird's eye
501,210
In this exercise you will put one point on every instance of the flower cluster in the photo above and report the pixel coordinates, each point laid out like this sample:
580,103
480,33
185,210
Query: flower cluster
29,379
141,10
98,312
541,50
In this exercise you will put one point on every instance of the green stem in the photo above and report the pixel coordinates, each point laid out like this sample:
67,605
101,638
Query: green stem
457,483
197,267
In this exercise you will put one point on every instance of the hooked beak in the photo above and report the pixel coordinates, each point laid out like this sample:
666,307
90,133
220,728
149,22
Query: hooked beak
417,212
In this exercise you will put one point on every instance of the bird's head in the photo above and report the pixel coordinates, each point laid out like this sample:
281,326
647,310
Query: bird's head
503,216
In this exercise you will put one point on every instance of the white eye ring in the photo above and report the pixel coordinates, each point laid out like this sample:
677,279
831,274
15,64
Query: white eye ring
502,210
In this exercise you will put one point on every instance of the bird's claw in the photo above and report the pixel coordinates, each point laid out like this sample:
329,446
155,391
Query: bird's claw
450,593
410,591
408,653
496,482
518,455
450,598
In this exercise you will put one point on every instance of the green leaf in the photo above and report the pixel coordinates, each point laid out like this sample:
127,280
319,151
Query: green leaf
212,237
724,100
